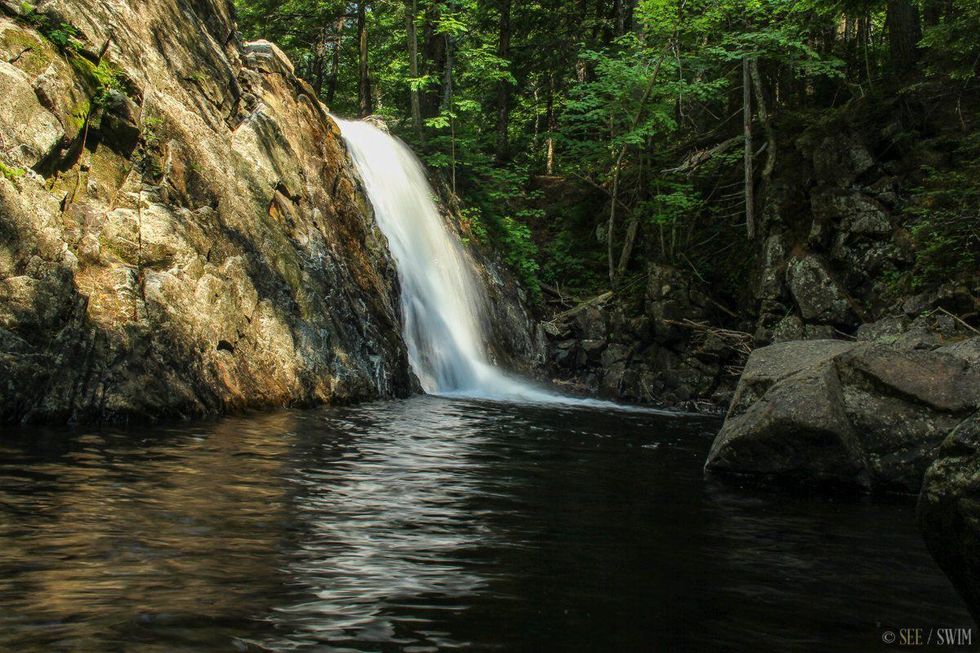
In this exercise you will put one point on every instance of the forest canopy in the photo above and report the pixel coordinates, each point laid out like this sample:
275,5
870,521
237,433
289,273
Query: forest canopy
584,138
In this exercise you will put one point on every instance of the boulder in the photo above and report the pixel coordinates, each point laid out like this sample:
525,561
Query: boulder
846,414
841,159
949,510
818,296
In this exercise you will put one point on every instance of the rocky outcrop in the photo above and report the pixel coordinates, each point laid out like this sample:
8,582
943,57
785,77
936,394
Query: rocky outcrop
180,229
949,510
837,233
666,355
846,414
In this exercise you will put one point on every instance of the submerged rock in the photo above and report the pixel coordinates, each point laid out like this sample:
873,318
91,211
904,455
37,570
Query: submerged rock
949,510
181,232
846,414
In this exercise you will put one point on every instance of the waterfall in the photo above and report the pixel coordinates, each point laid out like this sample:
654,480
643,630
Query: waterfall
443,302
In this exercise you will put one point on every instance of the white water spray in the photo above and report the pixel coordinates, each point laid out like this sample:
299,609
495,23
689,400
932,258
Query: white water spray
442,301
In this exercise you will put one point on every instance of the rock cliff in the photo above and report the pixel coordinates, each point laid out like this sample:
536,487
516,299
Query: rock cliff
180,230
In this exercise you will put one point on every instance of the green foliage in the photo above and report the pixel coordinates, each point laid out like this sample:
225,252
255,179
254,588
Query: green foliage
946,220
952,45
63,35
594,106
103,79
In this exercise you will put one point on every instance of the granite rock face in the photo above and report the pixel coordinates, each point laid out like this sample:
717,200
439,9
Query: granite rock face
181,232
846,414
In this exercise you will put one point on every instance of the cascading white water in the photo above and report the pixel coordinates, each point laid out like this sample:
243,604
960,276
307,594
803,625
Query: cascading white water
442,300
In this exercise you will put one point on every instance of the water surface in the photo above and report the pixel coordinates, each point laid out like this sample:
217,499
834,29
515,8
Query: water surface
434,524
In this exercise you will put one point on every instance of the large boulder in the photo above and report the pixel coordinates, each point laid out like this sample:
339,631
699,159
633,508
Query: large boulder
949,510
847,414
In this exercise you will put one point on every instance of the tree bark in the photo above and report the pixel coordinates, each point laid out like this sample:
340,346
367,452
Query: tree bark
433,60
447,76
747,134
760,101
364,82
549,165
503,85
904,33
335,61
411,9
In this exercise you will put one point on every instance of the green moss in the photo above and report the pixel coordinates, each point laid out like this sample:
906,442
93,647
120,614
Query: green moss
79,113
11,172
102,79
18,40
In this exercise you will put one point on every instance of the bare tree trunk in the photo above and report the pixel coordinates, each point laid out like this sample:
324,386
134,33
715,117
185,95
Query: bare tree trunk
447,102
433,60
549,166
620,13
503,86
335,62
411,9
364,82
747,132
904,33
318,63
760,101
447,76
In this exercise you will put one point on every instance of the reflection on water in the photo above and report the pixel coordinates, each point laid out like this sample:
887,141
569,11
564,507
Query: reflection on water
431,524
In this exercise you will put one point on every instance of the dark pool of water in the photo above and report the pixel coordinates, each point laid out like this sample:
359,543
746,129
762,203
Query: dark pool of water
431,524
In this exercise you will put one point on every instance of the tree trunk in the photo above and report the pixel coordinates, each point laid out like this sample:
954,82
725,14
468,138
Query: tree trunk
335,62
411,10
760,100
364,82
503,85
770,165
433,60
447,76
549,166
904,33
747,133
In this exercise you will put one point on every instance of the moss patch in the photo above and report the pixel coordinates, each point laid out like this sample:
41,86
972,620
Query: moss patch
11,172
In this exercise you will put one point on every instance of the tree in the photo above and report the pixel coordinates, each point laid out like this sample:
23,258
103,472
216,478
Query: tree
411,13
503,86
364,81
904,33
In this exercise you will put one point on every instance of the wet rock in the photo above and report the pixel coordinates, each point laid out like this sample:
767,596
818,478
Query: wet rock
848,414
949,510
